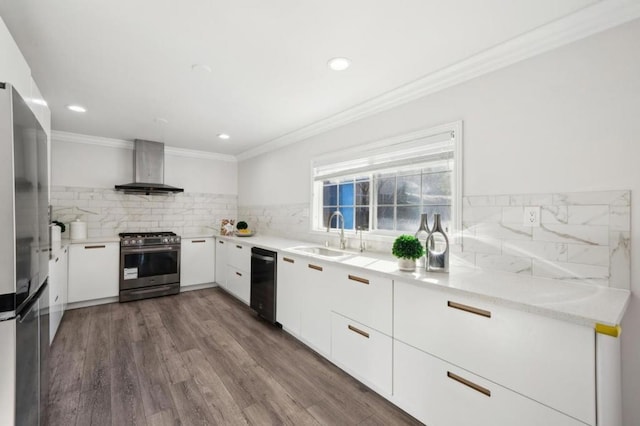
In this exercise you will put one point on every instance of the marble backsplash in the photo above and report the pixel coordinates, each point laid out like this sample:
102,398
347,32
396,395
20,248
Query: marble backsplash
582,237
108,212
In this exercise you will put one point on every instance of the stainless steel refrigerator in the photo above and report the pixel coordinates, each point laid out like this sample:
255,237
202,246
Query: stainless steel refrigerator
24,260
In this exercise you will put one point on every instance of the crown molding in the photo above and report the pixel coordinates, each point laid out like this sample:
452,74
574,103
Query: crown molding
125,144
583,23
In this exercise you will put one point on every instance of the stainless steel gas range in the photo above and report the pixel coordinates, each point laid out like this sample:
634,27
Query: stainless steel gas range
149,265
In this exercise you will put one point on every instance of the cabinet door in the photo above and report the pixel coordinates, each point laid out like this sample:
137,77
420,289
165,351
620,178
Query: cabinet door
289,292
315,319
93,271
55,296
221,263
441,394
197,264
64,272
239,284
239,256
362,351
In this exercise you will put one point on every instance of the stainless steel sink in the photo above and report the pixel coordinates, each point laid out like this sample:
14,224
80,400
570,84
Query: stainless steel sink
322,251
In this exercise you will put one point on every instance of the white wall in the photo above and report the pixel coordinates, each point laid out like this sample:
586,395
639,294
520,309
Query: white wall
98,166
565,121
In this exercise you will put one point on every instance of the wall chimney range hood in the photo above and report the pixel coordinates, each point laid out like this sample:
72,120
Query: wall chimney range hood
148,168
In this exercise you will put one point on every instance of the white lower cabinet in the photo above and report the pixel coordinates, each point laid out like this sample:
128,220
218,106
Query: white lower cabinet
221,263
440,394
289,292
315,306
93,271
58,289
239,284
197,264
363,352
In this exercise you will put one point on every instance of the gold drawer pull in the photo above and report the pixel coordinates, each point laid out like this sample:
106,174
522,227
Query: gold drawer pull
360,280
469,309
238,246
94,247
220,242
57,258
316,267
286,259
238,274
198,241
357,330
466,382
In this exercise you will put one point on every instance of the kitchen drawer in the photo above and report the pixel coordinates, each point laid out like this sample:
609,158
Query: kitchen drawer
365,298
547,360
239,256
440,394
239,284
363,352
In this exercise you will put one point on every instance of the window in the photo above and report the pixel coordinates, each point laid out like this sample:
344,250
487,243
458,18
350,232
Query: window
384,187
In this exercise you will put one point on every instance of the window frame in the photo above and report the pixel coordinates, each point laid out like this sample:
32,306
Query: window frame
360,151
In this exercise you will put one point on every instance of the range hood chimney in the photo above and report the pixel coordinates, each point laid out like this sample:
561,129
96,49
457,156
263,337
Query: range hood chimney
148,168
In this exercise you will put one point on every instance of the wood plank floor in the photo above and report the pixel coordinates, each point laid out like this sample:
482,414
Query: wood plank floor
198,358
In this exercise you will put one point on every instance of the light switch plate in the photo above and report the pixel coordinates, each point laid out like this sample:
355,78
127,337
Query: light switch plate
531,216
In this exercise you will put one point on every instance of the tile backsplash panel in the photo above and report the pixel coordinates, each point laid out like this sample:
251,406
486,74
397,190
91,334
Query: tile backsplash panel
108,212
582,237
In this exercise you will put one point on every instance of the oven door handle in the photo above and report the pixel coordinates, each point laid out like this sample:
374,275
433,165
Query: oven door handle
149,249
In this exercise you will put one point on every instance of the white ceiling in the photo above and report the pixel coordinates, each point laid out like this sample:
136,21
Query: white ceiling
129,62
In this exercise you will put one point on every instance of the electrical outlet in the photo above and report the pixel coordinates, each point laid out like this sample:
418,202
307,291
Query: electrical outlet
531,216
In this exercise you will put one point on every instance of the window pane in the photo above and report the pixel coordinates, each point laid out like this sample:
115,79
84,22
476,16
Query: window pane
436,188
346,194
362,193
408,218
330,195
408,191
385,218
326,212
362,218
386,188
347,212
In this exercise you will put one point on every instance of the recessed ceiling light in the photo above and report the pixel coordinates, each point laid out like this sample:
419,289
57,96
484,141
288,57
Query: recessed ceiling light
201,67
339,64
76,108
223,136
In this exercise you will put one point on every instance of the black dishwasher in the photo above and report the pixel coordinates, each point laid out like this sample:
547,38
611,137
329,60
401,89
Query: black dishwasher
263,283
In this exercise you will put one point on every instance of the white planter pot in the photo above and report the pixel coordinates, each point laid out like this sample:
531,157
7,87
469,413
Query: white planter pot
407,265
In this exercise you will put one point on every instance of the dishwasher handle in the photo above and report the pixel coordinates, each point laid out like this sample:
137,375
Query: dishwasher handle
268,259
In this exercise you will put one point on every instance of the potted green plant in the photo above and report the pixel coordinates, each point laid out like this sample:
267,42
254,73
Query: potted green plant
407,249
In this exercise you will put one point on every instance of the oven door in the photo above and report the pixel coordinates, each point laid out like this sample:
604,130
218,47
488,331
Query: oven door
149,266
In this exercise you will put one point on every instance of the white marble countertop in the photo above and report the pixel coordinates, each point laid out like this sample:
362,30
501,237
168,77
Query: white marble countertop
573,302
92,240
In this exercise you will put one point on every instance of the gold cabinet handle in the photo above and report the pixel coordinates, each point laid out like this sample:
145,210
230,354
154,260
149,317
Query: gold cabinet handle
240,247
470,309
57,258
358,279
316,267
220,242
198,241
357,330
286,259
238,274
94,247
468,383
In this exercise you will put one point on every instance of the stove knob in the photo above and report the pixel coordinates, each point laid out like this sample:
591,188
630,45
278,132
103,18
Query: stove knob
139,241
125,242
165,240
177,239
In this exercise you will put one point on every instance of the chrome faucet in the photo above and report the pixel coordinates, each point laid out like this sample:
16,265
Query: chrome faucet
339,215
361,242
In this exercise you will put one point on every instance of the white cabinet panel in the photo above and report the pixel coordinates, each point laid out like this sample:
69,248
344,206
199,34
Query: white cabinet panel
440,394
58,280
289,292
547,360
239,256
221,262
197,264
362,351
364,297
93,271
239,284
315,318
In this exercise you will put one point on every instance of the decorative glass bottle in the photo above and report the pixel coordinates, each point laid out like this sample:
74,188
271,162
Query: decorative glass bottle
424,230
437,248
